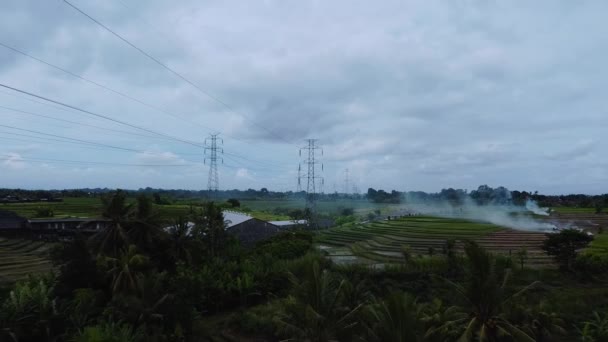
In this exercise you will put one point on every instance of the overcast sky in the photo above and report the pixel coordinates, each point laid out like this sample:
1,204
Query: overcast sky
408,95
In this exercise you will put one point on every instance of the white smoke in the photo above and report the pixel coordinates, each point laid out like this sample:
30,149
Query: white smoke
508,215
533,207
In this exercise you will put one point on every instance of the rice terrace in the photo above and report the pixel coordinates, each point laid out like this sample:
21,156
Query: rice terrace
424,237
21,258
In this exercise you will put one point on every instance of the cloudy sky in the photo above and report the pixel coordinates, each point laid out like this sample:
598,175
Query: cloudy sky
408,95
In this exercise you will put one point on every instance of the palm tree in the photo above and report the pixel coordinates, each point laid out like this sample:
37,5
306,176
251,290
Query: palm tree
210,227
443,321
113,239
181,240
595,330
144,228
315,311
398,318
486,298
543,325
126,271
28,310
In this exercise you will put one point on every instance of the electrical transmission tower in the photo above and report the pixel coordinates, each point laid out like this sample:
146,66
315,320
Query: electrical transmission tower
346,182
299,178
311,162
211,145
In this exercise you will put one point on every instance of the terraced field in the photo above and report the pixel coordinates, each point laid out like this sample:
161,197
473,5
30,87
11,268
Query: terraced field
18,258
382,242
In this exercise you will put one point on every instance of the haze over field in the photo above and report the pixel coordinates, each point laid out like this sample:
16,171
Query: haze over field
408,95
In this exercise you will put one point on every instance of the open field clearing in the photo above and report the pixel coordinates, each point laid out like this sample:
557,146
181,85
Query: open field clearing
571,210
581,219
599,245
324,207
383,242
18,258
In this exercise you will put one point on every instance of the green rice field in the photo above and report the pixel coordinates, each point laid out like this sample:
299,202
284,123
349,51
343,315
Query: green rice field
599,245
383,242
19,258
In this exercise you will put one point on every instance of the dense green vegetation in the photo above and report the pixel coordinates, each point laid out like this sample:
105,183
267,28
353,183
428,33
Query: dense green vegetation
137,282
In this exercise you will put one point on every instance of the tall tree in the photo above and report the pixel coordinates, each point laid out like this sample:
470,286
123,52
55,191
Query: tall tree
398,318
316,310
210,227
486,297
564,246
113,239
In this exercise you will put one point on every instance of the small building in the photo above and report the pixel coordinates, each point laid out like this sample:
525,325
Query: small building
247,229
290,224
250,231
10,221
70,224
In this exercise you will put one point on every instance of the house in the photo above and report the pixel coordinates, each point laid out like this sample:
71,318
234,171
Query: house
290,224
247,229
70,224
11,221
251,231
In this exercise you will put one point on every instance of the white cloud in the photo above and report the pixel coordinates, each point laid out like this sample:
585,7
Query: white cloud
13,161
408,95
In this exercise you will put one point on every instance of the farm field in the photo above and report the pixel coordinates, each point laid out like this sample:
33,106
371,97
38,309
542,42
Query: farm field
91,207
382,242
75,207
18,258
599,245
571,210
324,207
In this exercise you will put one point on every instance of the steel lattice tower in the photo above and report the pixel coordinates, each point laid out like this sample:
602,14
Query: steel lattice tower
211,144
311,162
346,183
299,178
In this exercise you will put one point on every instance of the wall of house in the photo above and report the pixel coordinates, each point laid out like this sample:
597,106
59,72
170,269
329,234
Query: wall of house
252,231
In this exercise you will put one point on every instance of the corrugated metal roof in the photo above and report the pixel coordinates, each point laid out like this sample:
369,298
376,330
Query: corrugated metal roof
288,223
233,218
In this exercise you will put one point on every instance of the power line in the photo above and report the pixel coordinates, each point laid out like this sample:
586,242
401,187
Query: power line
98,115
76,122
177,74
32,159
101,85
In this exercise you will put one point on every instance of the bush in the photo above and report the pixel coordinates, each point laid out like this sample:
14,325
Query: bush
590,266
288,245
235,203
259,320
44,212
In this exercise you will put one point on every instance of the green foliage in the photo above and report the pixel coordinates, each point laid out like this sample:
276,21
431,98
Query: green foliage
316,310
44,212
234,203
596,329
591,266
287,245
487,298
342,220
564,246
398,318
522,256
108,332
29,309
